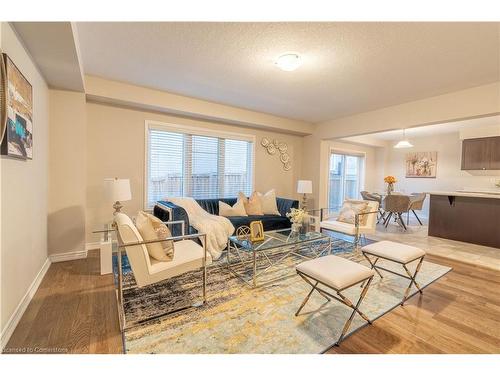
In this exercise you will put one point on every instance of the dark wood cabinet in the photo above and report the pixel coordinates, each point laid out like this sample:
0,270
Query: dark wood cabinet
494,147
481,153
467,219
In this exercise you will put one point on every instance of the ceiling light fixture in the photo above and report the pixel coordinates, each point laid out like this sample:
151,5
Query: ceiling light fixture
288,62
404,143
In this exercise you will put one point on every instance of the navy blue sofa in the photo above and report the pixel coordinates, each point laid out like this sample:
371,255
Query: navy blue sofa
163,209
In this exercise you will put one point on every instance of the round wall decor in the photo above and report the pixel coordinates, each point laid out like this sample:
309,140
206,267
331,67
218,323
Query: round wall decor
285,158
274,145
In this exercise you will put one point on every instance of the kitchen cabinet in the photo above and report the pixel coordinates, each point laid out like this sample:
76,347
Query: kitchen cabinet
481,153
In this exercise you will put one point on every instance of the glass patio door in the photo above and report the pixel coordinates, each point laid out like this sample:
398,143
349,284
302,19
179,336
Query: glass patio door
344,179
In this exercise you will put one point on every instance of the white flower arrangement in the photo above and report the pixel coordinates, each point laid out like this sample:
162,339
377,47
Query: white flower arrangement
296,215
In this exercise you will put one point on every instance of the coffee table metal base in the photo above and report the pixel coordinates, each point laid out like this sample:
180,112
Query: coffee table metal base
317,247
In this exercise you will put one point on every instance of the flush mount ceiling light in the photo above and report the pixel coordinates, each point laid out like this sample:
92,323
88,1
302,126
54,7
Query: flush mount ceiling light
404,143
288,62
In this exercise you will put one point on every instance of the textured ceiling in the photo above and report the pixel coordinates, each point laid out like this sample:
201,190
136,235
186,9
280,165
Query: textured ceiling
347,67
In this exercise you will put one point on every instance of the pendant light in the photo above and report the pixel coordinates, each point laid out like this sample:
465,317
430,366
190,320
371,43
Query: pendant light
403,143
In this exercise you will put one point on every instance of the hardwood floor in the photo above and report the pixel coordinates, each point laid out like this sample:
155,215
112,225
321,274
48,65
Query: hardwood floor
74,311
459,313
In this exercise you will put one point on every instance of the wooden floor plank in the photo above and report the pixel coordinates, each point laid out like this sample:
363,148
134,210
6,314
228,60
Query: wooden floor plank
75,310
456,314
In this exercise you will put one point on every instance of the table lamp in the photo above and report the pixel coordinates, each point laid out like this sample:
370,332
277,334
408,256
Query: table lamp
304,187
117,190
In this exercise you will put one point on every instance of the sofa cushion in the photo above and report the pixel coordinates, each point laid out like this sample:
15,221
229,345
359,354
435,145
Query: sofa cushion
268,202
252,204
237,210
269,222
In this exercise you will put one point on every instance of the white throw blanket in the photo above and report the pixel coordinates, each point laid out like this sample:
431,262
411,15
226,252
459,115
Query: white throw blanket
217,228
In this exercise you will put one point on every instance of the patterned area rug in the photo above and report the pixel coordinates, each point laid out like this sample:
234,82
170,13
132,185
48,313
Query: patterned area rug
239,319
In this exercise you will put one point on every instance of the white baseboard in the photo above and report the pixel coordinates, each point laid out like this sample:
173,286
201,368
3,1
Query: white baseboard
63,257
23,304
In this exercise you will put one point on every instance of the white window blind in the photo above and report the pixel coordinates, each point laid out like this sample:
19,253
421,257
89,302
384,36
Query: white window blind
198,166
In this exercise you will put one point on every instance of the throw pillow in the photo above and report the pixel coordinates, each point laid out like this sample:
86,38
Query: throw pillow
237,210
163,231
252,204
145,227
350,209
268,202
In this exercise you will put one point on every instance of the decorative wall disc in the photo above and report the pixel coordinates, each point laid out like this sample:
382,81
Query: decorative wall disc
274,146
271,149
285,158
282,147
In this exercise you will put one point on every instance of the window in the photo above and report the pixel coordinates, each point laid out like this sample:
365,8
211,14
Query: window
196,163
344,179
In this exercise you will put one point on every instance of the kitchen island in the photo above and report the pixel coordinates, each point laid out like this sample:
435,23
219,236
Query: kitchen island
472,217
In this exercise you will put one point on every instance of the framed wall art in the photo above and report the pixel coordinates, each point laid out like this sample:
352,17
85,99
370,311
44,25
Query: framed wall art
421,164
18,137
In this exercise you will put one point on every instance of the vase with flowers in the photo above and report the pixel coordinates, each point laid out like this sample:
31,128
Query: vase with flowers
298,218
390,181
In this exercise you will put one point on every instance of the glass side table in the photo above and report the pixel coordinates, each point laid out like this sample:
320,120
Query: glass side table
106,248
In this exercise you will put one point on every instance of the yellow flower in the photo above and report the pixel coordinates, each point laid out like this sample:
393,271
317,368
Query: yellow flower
390,179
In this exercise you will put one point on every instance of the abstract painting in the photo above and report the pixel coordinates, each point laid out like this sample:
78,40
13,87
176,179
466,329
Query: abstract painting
421,164
18,139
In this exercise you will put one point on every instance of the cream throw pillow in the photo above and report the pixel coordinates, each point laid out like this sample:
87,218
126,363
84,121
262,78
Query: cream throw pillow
350,209
268,202
252,204
151,230
163,231
237,210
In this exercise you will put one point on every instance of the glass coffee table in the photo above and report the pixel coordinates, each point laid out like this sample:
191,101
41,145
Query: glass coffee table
248,260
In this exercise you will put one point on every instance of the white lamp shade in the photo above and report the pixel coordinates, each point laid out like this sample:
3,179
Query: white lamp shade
304,187
117,190
403,144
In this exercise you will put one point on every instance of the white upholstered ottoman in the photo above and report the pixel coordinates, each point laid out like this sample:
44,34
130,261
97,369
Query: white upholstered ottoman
398,253
337,274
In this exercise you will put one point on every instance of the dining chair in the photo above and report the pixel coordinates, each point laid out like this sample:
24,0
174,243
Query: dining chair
395,205
416,203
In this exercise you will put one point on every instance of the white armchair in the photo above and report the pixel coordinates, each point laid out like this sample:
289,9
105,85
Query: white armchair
189,256
356,229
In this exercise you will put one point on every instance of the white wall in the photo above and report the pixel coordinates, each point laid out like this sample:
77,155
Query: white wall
67,182
449,176
24,194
